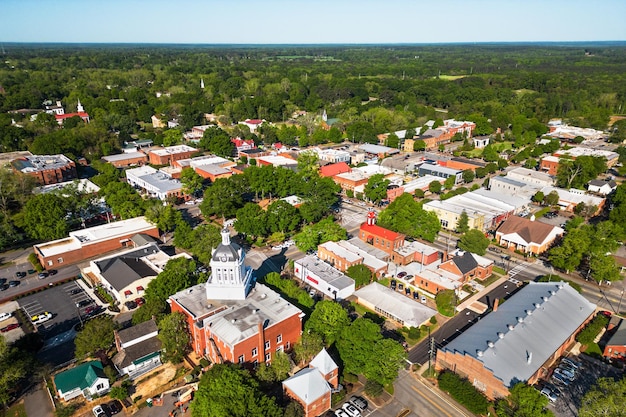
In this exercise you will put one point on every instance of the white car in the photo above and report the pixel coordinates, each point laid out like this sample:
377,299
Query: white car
98,411
190,203
552,395
5,316
41,318
340,413
351,410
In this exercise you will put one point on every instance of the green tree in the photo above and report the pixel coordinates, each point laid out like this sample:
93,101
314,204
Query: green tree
435,187
474,241
419,145
15,364
328,320
361,274
97,335
172,137
313,235
277,370
226,390
282,217
174,336
538,197
392,141
294,409
450,182
151,308
309,345
192,182
119,393
376,188
523,401
552,199
164,217
468,176
569,254
251,220
44,217
502,163
223,198
123,200
355,345
178,274
462,225
606,398
405,215
218,142
361,132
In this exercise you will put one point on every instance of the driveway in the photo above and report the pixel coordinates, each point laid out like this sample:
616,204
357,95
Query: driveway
37,402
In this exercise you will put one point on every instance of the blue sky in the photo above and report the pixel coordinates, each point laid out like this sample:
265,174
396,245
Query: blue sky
312,21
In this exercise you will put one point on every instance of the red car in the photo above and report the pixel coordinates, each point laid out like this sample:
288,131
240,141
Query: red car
139,301
9,327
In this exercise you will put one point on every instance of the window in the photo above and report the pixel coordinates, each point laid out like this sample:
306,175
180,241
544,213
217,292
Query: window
241,359
287,345
279,338
50,263
254,352
267,345
268,357
60,260
279,349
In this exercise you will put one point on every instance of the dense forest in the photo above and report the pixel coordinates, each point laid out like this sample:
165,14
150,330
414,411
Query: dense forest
390,88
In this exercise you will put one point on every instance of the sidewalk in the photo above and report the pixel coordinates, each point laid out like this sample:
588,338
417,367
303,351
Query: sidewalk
469,301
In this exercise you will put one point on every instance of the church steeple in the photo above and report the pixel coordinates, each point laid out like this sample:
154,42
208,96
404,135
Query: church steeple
79,107
202,83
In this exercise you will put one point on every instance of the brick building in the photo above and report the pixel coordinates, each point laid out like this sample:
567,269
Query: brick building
46,169
87,243
125,160
528,236
615,348
312,386
519,340
167,155
232,319
379,237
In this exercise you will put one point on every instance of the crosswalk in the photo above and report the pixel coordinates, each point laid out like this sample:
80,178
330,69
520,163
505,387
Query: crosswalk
517,269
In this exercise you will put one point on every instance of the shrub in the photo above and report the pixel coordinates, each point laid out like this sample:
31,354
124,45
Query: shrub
414,333
464,392
118,393
373,388
591,330
433,320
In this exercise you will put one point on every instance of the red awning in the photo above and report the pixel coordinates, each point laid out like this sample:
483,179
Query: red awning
139,288
128,292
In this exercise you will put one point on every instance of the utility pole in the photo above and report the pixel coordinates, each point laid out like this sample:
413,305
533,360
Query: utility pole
431,352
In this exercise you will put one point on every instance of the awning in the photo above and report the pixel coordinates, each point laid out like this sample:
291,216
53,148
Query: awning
128,292
139,288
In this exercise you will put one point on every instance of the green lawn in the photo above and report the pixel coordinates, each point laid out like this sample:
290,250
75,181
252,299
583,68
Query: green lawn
594,350
16,410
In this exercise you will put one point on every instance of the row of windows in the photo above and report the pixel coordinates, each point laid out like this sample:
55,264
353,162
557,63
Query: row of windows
268,356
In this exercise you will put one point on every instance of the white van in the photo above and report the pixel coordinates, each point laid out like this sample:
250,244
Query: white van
5,316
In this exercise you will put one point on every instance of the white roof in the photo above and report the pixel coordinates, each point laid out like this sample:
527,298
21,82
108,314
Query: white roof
84,186
573,197
421,183
375,148
173,150
410,312
340,251
80,238
525,331
438,168
278,160
368,259
583,151
308,385
124,156
323,362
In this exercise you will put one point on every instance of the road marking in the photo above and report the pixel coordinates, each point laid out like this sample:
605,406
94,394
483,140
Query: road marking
431,401
404,413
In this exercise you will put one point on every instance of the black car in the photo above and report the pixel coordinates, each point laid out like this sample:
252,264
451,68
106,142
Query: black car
130,305
84,303
359,402
114,407
20,274
52,272
393,284
43,275
76,291
14,283
3,281
4,287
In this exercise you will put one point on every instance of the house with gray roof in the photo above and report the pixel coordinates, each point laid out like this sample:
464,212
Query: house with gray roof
138,349
520,339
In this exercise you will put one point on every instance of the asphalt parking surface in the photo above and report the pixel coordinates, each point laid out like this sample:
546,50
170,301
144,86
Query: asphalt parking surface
61,303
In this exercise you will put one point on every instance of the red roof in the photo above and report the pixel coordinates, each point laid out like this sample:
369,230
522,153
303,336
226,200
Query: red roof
334,169
81,114
254,121
378,231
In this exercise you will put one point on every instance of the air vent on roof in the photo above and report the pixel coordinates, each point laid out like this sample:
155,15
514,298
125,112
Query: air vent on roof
552,292
233,321
479,353
189,291
544,298
500,335
560,286
529,312
263,296
490,343
520,319
510,326
537,305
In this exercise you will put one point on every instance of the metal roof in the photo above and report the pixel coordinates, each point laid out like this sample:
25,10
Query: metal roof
525,331
83,376
308,385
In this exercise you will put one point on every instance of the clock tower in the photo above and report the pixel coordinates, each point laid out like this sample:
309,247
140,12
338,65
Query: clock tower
230,279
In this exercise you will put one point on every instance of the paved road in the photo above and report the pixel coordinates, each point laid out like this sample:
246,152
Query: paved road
37,402
31,282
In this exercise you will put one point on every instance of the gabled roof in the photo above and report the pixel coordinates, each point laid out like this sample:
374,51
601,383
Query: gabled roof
83,376
137,331
525,331
530,231
333,169
323,362
308,385
137,353
466,262
123,271
378,231
619,337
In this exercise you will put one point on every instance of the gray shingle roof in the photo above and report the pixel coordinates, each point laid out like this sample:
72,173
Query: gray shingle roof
517,339
123,271
465,262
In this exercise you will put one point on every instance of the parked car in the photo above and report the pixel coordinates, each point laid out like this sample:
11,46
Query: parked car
552,395
14,283
31,271
351,410
359,402
571,374
83,303
3,281
10,327
416,295
130,305
340,413
76,291
565,374
393,284
423,299
139,301
20,274
401,274
572,362
98,411
52,272
91,310
114,406
41,318
560,379
43,275
5,316
568,366
4,287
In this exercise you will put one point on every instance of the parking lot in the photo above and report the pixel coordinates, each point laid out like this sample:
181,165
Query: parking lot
61,302
570,396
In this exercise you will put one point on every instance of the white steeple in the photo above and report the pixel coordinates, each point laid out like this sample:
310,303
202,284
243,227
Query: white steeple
79,107
324,116
202,83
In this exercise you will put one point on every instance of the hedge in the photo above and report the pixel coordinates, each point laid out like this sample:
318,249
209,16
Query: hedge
464,392
591,330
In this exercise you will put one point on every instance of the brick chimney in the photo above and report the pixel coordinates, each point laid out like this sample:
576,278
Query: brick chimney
495,305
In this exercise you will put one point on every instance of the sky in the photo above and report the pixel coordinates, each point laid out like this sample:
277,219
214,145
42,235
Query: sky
311,21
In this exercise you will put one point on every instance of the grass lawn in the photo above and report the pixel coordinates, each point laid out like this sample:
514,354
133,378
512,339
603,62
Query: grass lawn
594,350
16,410
450,77
490,279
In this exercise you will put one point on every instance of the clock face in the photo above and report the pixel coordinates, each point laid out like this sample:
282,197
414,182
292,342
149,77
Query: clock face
223,258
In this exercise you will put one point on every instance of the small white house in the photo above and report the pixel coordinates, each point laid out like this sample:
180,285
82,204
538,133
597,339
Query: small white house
87,379
139,349
601,187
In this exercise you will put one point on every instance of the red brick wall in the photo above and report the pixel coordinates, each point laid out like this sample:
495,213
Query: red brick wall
427,285
338,262
316,408
54,176
549,166
89,250
168,158
130,161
